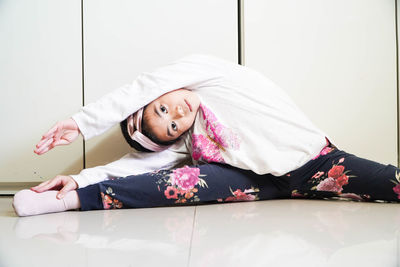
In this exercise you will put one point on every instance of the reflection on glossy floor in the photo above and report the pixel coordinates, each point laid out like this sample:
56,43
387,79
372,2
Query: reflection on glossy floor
263,233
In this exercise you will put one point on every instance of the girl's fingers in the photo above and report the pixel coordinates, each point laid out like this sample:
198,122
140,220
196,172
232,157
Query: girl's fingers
44,147
39,148
68,187
51,131
45,143
39,186
49,135
42,141
60,142
44,151
59,133
51,184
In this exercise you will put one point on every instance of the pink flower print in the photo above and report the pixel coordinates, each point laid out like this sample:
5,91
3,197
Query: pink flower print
208,115
317,175
336,171
107,200
171,192
326,150
214,128
296,194
185,178
329,184
206,149
117,204
229,139
323,152
396,189
215,131
341,160
351,196
238,195
198,143
218,137
247,191
222,135
342,180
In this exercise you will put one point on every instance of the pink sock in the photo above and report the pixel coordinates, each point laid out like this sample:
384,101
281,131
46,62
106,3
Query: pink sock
27,202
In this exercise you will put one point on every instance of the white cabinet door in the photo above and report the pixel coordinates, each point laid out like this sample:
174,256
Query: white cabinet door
40,83
123,38
337,59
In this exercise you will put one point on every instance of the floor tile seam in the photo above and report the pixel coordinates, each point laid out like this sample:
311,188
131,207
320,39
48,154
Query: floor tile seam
191,236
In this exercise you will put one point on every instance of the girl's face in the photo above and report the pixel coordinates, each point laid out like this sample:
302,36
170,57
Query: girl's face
172,114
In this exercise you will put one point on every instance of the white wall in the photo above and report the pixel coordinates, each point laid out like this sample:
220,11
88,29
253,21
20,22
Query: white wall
40,83
337,59
141,36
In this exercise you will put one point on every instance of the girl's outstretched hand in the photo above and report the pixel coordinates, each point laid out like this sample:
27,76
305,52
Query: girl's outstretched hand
63,183
62,133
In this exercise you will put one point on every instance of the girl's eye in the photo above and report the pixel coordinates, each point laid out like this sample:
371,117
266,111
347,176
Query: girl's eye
173,126
163,109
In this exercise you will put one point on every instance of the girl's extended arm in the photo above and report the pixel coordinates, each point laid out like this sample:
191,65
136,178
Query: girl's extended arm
130,164
190,72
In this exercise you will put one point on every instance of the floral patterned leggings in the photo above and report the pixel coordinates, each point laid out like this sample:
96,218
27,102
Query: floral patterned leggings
334,174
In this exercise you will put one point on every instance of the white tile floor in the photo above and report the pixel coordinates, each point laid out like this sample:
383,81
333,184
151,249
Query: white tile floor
263,233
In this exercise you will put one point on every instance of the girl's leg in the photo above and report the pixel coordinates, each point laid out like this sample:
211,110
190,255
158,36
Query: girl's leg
209,183
342,175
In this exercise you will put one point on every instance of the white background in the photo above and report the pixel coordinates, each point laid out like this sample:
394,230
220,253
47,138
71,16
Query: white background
337,59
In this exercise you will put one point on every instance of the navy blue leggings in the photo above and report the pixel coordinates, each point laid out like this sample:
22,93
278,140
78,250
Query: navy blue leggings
335,175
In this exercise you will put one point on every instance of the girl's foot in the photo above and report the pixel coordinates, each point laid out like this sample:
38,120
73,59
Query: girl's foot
27,202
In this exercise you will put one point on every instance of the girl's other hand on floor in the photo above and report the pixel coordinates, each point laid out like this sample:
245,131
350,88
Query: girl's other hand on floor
62,133
63,183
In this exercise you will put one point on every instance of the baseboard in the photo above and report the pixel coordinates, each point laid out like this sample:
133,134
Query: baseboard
10,188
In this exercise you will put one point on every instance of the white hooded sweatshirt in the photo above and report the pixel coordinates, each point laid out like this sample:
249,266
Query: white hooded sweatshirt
244,120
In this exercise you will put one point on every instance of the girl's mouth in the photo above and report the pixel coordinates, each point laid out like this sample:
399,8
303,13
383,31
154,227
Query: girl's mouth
188,104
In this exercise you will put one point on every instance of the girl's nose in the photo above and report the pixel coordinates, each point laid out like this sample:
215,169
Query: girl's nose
179,111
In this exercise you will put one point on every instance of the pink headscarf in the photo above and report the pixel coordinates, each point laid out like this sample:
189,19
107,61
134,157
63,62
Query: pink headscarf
136,120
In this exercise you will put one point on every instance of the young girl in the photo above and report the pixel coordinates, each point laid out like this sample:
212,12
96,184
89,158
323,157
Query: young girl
245,138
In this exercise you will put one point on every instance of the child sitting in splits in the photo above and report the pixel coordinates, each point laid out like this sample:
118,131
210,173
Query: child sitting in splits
245,139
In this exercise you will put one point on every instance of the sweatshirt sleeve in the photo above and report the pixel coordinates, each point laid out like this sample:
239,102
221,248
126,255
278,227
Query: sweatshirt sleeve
191,72
132,164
